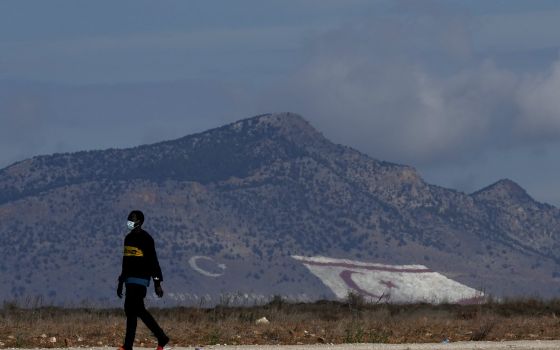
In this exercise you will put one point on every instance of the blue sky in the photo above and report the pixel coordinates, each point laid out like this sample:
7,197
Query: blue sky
465,91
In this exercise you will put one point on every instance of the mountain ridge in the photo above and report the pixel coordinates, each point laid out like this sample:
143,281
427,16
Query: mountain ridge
289,124
505,190
250,195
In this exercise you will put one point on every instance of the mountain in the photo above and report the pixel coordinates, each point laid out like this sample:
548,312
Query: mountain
229,208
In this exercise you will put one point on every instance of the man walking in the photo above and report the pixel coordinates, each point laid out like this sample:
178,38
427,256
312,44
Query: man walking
139,265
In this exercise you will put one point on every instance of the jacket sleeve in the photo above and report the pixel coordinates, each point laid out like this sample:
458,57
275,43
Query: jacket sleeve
122,276
156,269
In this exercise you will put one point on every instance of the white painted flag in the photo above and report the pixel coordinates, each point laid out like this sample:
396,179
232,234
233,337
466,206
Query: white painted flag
388,283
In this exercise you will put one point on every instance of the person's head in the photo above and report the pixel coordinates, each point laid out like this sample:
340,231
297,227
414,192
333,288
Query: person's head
135,219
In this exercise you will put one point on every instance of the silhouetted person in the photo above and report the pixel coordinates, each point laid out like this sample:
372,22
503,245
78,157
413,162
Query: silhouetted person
139,265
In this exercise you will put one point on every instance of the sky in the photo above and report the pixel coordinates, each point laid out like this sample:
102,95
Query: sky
467,92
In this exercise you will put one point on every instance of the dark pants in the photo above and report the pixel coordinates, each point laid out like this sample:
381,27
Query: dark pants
134,308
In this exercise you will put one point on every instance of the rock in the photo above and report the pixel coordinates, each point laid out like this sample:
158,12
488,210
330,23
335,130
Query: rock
43,335
262,320
11,337
52,339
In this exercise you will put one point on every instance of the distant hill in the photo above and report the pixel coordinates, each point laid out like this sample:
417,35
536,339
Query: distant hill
229,207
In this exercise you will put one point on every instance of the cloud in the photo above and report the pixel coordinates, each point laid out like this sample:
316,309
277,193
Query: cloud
412,89
539,100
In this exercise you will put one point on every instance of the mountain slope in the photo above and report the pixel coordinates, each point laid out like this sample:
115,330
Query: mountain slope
239,201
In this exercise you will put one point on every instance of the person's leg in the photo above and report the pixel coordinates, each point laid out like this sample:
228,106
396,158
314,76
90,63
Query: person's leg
133,302
151,323
153,326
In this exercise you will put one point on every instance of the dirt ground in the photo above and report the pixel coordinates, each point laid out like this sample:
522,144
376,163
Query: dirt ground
506,345
520,324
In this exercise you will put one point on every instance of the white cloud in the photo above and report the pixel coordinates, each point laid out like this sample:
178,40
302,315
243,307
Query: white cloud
539,98
405,91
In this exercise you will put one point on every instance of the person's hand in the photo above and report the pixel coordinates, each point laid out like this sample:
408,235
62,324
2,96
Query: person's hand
158,289
119,290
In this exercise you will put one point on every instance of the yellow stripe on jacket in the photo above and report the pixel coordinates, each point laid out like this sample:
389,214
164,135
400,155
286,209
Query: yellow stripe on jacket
132,251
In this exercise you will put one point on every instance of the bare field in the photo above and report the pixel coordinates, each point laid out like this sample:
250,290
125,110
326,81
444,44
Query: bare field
320,323
509,345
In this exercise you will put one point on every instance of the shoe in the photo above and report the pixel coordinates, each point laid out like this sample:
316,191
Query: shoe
162,343
121,348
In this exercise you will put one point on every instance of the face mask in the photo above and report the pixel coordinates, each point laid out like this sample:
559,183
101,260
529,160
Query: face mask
130,224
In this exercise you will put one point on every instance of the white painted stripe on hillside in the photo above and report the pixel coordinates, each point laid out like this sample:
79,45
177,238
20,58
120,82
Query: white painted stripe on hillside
390,283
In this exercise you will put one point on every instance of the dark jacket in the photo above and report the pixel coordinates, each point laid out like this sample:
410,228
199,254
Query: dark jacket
139,257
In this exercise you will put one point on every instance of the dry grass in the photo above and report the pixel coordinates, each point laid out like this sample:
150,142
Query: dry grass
321,322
